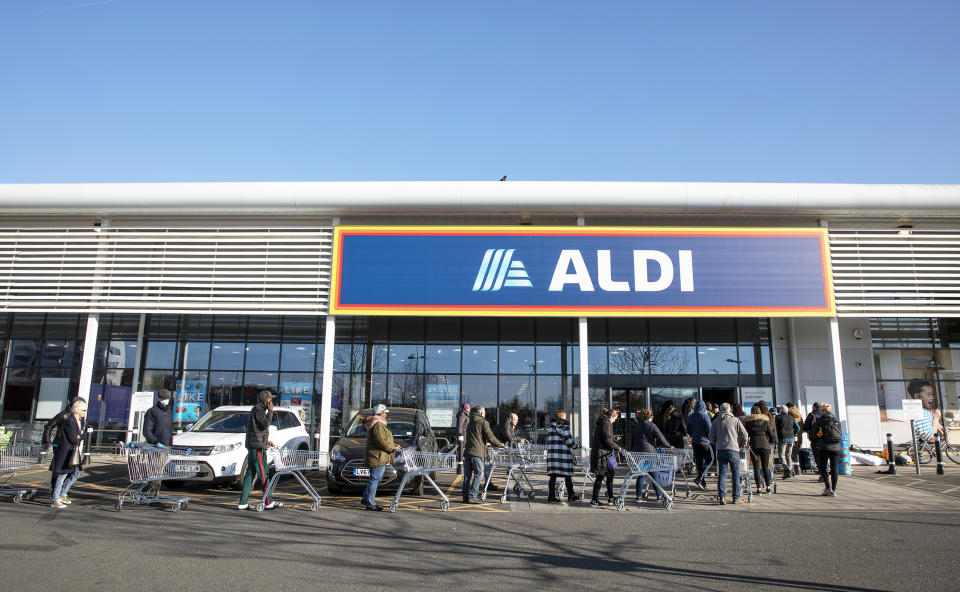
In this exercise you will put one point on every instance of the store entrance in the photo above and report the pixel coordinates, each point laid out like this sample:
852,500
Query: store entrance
628,401
719,395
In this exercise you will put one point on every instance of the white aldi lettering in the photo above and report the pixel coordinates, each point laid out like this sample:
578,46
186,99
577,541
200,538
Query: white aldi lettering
642,281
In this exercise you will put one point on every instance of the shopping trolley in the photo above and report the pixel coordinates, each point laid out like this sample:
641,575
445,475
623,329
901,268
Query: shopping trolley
13,458
420,464
746,475
287,461
515,461
643,465
147,466
581,462
684,460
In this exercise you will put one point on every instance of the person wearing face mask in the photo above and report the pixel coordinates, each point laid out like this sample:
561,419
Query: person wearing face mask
158,421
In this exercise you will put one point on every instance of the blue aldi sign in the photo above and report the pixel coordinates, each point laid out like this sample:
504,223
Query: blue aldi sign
581,271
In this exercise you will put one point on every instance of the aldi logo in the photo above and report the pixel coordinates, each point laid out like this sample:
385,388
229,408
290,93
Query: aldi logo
580,271
500,269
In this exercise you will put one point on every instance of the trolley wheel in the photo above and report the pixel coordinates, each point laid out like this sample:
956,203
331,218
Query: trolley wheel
116,508
394,505
531,495
175,507
314,506
17,498
31,495
687,494
620,503
749,497
184,504
503,498
260,507
483,495
444,506
667,504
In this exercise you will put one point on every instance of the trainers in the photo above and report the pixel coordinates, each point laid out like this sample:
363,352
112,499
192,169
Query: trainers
758,492
65,500
474,500
58,504
594,504
554,500
833,493
826,491
769,491
720,500
574,498
273,506
243,506
373,508
734,500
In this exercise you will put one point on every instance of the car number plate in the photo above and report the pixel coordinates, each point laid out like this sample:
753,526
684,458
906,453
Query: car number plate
361,472
186,468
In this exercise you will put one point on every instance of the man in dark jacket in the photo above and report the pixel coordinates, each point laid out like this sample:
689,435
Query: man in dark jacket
158,421
809,428
698,427
463,419
258,438
477,437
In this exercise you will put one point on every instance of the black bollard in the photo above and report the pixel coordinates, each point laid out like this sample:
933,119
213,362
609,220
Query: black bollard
891,460
940,469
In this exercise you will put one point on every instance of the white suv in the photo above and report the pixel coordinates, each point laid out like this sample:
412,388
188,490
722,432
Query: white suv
214,448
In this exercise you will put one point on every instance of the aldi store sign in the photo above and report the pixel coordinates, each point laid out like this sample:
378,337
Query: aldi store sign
580,271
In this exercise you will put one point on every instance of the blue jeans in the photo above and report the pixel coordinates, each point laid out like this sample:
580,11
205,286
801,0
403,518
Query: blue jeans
369,497
731,459
473,470
64,482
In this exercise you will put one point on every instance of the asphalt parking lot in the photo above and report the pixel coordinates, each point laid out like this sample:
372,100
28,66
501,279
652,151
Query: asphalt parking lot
874,536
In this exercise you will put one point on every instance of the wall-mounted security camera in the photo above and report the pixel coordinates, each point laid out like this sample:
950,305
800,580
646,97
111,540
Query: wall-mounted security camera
858,333
859,364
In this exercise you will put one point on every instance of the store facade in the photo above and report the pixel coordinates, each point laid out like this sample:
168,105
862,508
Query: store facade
579,307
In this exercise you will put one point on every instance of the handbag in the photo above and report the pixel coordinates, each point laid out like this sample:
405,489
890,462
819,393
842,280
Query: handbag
612,461
75,457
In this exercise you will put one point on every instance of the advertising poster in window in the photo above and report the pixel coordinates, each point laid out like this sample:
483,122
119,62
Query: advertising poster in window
916,374
189,400
442,403
297,396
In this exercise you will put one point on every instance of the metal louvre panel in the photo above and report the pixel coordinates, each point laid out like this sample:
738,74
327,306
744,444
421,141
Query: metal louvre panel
896,272
175,270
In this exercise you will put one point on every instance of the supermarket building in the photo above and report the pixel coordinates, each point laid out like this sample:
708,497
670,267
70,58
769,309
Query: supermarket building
523,297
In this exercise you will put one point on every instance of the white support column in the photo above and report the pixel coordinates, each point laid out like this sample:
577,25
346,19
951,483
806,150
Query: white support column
841,411
138,359
89,349
326,390
584,384
795,365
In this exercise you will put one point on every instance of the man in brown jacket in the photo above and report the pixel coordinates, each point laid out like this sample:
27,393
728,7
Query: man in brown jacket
377,455
478,436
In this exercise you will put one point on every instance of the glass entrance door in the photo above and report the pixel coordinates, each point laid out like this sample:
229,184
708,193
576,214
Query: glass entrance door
628,401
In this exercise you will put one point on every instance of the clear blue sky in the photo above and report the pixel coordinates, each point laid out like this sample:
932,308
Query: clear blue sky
204,90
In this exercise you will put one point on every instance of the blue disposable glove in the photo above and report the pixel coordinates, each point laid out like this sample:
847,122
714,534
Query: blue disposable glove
160,445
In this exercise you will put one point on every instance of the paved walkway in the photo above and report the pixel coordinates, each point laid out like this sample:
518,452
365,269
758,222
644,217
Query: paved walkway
865,491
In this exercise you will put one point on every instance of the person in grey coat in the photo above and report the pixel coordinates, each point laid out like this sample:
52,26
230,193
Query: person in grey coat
728,436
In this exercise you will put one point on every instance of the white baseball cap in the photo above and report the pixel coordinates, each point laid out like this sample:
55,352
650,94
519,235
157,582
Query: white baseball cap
378,409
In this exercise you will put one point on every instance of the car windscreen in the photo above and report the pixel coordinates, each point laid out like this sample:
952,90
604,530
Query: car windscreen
231,422
400,427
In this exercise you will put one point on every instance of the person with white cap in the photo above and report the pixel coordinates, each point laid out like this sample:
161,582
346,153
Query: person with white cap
258,438
378,454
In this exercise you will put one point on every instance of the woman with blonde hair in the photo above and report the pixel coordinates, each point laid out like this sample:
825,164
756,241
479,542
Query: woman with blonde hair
560,451
67,457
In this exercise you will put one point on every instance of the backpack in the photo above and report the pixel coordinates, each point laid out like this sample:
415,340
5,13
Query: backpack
828,430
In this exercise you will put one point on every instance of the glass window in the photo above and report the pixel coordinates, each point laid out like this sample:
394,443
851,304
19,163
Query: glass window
673,359
550,391
27,325
161,354
517,359
196,327
254,382
288,420
443,358
480,329
443,399
154,380
596,330
56,384
379,357
61,326
20,391
378,389
555,330
197,355
628,330
296,392
342,354
672,330
406,358
300,327
406,390
660,396
227,356
443,330
409,329
163,327
225,388
716,330
57,353
718,359
298,356
479,390
263,356
549,359
480,359
628,359
24,353
229,328
748,360
517,395
516,329
596,358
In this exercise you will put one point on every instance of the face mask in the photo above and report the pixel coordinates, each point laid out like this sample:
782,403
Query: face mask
163,402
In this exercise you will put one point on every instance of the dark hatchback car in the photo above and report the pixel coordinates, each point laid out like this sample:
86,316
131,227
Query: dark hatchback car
410,427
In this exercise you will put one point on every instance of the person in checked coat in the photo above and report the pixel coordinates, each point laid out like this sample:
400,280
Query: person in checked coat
560,451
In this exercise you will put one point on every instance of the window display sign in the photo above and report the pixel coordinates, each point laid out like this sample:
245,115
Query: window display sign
189,400
442,403
297,396
580,271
